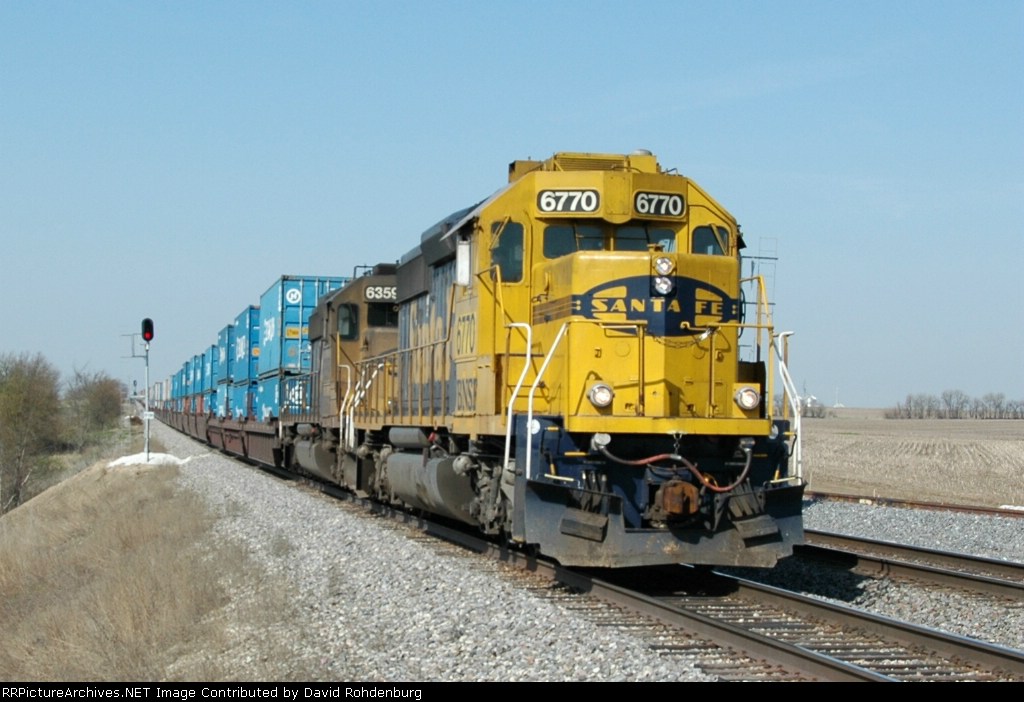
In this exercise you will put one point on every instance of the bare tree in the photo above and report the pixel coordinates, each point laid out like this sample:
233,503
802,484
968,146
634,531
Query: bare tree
995,405
954,402
92,402
29,421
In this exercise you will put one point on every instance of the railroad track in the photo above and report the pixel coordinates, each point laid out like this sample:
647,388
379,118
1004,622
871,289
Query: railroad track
870,647
986,576
736,629
739,630
914,504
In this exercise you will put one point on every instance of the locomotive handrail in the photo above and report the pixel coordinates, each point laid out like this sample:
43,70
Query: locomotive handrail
533,389
362,388
550,354
347,433
762,310
794,398
519,386
429,350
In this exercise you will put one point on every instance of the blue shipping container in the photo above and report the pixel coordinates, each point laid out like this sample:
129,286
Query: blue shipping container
241,402
274,393
247,344
222,404
284,322
197,373
225,355
210,366
267,398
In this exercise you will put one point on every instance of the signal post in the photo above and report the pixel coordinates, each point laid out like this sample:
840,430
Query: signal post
147,336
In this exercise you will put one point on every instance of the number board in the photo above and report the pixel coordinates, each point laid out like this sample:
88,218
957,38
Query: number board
568,200
658,204
385,293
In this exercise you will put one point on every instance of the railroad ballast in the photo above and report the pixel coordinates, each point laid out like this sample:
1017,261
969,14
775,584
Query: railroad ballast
575,365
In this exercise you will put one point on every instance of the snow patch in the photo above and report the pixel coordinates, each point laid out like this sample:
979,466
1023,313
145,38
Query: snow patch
155,459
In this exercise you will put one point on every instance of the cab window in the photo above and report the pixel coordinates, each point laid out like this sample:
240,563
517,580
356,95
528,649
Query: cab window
381,314
640,237
348,322
564,239
711,241
507,254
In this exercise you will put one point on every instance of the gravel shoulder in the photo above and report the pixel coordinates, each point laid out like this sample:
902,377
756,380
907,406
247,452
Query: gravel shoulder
361,600
365,602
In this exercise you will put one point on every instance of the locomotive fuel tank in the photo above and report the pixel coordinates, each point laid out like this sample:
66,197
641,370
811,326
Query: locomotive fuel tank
437,484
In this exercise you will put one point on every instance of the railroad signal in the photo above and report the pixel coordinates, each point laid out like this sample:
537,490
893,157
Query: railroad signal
147,330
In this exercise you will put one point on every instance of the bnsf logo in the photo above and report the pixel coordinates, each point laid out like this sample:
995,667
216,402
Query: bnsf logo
691,305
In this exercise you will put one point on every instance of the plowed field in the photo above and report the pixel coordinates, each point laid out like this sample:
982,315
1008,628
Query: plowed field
978,462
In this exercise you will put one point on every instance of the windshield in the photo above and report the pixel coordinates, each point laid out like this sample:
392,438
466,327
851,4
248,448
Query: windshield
565,238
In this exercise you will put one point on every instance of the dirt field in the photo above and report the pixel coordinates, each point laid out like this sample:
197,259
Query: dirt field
965,461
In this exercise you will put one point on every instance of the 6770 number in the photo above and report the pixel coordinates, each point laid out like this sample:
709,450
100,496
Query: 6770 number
568,200
658,204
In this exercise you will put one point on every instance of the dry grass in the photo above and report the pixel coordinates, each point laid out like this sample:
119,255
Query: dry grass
96,582
114,575
122,441
964,461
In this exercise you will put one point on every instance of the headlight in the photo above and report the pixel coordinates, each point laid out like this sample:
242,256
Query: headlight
664,265
747,398
663,285
600,395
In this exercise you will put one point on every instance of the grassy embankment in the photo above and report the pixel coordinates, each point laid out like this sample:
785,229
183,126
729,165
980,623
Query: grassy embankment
114,575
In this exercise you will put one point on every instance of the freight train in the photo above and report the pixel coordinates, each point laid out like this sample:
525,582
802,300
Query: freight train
573,365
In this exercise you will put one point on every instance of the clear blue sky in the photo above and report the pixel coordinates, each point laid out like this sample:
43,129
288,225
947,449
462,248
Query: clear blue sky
172,159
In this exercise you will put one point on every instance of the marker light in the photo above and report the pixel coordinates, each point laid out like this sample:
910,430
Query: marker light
747,398
600,395
663,285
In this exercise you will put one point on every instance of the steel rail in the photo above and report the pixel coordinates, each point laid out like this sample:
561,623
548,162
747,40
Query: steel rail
985,575
998,658
914,504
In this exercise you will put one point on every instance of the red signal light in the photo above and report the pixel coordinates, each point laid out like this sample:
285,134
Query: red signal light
147,329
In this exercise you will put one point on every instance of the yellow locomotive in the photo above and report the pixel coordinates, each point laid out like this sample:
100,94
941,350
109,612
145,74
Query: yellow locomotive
565,370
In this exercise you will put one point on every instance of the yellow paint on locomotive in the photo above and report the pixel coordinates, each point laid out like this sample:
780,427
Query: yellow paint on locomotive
569,248
664,380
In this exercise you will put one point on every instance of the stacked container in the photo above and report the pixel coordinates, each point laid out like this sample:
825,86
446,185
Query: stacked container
198,361
224,370
211,362
285,309
246,354
176,392
186,388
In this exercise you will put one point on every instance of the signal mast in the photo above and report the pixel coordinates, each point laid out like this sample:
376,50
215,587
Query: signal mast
147,336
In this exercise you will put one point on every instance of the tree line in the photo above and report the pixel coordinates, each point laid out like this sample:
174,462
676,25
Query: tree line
42,416
955,404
